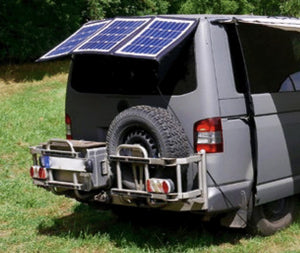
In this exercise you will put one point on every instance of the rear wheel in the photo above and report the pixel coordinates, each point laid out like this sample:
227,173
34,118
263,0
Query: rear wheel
154,128
269,218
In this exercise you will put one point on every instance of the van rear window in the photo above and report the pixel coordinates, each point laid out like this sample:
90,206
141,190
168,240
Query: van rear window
121,75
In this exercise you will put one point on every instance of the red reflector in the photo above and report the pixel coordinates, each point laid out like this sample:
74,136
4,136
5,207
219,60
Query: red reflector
149,188
68,127
166,187
68,119
42,173
34,171
31,171
157,185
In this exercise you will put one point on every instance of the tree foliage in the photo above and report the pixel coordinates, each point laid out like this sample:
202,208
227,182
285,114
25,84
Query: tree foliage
98,9
217,7
28,28
290,8
258,7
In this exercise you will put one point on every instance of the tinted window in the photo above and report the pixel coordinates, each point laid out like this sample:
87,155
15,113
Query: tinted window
272,57
291,83
120,75
236,58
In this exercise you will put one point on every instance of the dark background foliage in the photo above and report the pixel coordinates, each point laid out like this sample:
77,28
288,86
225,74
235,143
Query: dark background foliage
28,28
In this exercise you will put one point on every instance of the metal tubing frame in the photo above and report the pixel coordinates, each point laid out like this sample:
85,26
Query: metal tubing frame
39,150
137,162
179,178
202,178
142,163
139,183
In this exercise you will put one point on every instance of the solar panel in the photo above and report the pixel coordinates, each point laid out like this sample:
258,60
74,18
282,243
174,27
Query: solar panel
146,37
74,40
115,33
156,37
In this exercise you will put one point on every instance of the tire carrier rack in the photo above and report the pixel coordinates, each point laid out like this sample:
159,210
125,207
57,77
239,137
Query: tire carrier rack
140,167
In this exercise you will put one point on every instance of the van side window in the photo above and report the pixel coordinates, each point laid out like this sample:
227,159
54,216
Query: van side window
272,58
236,58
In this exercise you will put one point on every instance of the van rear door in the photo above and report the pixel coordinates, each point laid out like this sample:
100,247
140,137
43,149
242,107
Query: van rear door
272,57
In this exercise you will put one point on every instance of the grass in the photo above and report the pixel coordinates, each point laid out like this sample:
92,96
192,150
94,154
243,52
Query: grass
34,220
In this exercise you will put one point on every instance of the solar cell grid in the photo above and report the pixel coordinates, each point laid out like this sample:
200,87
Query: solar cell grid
156,37
160,33
112,35
74,40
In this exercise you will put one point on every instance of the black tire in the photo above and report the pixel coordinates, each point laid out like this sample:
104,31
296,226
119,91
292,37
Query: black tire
157,130
269,218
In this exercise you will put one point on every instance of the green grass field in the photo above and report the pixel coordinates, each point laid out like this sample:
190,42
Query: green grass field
34,220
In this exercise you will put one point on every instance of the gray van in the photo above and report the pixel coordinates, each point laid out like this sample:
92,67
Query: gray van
196,113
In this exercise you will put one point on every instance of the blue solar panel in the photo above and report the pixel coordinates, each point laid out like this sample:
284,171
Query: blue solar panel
75,39
146,37
160,34
116,32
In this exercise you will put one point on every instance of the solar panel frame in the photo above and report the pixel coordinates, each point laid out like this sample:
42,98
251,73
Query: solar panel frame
168,43
51,54
87,47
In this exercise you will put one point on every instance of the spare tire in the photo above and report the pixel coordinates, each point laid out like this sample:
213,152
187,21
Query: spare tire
154,128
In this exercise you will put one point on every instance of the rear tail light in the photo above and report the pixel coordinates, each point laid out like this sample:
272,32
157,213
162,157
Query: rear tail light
32,172
38,172
43,173
156,185
208,135
68,127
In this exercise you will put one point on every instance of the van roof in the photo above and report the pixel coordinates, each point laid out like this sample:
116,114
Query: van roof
225,16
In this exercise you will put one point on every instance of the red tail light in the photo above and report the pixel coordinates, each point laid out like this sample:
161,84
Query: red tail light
208,135
32,172
157,185
43,173
148,186
38,172
68,127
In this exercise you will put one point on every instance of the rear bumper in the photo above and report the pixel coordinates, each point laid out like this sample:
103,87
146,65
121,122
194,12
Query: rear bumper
83,168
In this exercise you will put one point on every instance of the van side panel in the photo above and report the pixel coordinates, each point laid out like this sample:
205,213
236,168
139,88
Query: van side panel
272,63
232,170
278,123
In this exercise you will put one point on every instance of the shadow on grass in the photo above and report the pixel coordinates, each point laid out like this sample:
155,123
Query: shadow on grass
32,71
144,230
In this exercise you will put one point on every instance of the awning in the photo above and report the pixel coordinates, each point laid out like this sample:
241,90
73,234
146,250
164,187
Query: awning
289,24
139,37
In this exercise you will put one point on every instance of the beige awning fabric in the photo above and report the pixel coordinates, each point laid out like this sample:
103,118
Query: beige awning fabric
288,24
